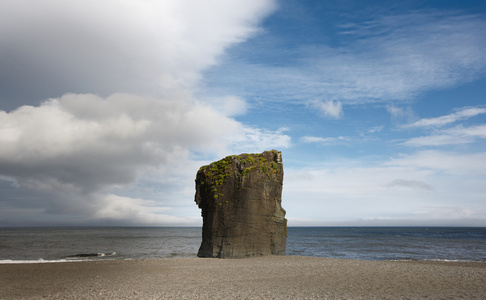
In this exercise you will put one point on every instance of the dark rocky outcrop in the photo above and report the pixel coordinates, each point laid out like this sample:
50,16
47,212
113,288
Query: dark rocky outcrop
240,200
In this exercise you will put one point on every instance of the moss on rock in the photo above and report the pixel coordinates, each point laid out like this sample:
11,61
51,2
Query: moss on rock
240,199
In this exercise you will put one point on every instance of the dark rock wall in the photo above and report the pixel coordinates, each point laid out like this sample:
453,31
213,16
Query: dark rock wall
240,199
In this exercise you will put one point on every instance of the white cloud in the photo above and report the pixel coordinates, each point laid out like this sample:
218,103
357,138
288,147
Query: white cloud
435,140
259,140
415,184
375,129
234,106
421,188
127,72
91,143
400,113
447,162
229,105
143,47
324,140
459,134
387,59
394,111
461,114
452,136
402,55
79,147
478,131
136,211
330,108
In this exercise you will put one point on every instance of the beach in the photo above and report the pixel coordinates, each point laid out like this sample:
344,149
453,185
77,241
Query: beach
270,277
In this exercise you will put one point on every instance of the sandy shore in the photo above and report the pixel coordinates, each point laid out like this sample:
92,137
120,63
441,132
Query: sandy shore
273,277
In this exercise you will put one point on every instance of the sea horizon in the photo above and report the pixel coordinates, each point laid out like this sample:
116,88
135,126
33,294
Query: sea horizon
81,243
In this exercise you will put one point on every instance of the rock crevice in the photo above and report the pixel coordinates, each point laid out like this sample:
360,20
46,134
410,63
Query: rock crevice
240,199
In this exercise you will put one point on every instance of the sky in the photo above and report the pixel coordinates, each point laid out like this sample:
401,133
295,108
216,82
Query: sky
108,108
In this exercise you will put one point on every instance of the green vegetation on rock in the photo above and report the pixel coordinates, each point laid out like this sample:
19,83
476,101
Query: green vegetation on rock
240,196
240,166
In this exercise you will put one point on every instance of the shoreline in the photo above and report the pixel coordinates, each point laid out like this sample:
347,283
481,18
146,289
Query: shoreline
268,277
60,261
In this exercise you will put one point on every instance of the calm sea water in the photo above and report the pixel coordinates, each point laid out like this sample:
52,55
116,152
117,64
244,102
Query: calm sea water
367,243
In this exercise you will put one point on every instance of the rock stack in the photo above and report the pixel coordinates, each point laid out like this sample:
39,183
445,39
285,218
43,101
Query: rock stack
240,199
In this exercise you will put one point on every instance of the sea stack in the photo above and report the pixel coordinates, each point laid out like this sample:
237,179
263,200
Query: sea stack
240,199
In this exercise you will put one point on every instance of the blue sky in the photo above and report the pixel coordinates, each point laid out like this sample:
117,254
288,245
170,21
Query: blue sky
108,109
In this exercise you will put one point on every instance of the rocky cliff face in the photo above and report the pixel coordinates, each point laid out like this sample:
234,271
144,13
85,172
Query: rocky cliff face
240,200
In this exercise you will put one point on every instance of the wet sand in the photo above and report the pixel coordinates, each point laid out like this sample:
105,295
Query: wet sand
272,277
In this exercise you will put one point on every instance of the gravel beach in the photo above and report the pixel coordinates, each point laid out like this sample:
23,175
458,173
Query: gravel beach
270,277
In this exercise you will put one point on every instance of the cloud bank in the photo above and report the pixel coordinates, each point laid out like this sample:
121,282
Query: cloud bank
90,143
51,47
422,188
97,103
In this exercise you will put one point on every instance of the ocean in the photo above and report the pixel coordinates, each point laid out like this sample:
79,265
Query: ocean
61,244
